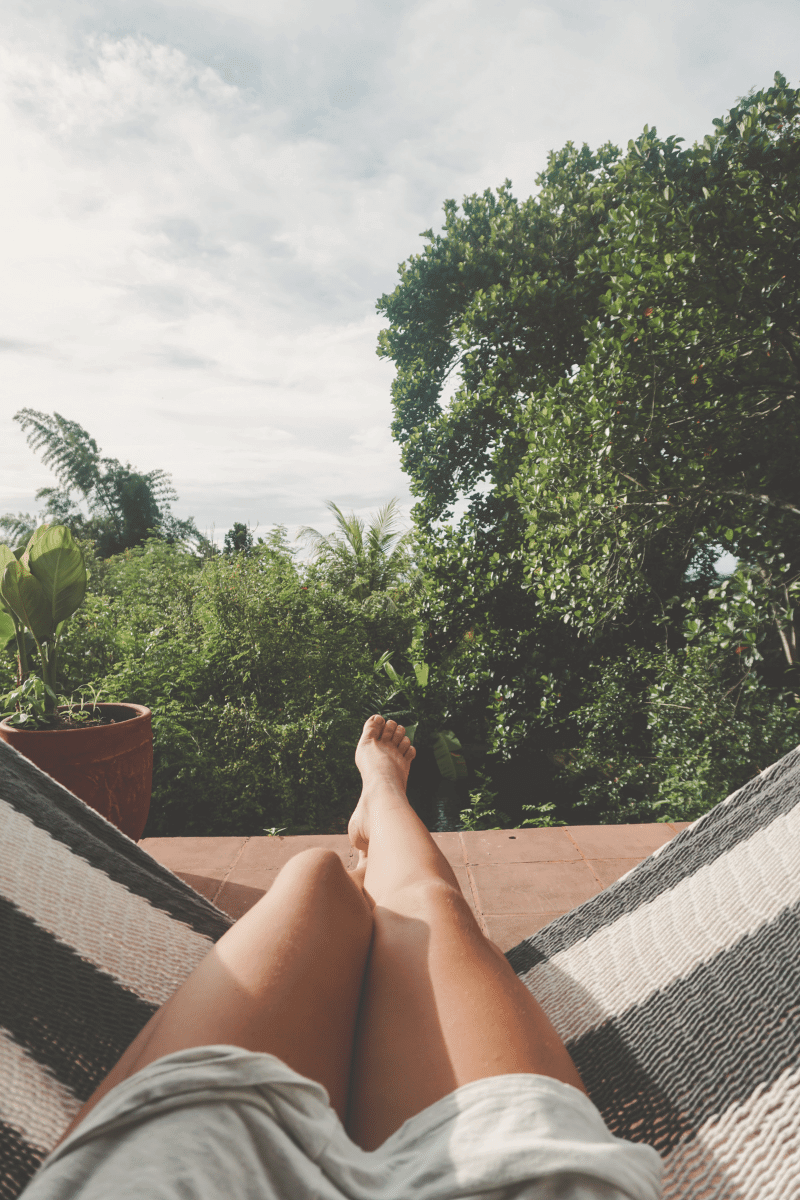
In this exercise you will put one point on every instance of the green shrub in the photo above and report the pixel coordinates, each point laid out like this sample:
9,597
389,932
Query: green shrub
258,673
666,736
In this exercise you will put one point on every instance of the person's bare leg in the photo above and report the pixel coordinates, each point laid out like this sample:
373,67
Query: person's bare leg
284,980
441,1006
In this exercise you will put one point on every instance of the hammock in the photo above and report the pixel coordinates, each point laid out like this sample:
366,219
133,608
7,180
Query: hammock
676,990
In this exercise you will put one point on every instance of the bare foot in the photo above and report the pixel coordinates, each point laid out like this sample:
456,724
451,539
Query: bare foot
383,756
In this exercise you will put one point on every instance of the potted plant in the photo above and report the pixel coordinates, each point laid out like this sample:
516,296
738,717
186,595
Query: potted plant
101,752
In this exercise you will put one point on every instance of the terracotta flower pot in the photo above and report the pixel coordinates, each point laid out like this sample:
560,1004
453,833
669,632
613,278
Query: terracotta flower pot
109,766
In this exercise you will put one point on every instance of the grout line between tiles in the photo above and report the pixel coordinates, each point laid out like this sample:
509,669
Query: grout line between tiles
473,887
597,878
463,846
226,876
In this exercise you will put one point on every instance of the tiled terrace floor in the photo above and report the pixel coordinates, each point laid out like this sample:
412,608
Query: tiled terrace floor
516,880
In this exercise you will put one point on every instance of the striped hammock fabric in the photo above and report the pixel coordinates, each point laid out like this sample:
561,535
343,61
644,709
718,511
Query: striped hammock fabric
94,937
677,993
676,990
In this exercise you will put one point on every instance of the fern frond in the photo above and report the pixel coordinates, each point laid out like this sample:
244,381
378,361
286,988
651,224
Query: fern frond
65,446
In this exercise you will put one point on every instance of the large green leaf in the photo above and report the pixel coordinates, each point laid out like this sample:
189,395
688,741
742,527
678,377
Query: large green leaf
39,532
7,630
422,670
390,671
26,598
6,557
447,752
55,559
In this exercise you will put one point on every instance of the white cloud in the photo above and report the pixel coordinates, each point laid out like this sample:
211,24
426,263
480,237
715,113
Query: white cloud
203,201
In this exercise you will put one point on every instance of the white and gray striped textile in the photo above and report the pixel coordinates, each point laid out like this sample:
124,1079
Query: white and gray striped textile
677,989
94,936
677,992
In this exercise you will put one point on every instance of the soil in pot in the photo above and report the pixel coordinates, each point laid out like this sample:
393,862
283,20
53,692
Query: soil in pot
109,763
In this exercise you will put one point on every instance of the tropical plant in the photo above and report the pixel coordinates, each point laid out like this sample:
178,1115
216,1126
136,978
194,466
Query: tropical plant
362,559
407,701
125,506
482,811
40,587
256,669
425,703
8,626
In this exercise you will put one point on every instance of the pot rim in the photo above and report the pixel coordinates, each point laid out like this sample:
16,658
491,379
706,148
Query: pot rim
141,712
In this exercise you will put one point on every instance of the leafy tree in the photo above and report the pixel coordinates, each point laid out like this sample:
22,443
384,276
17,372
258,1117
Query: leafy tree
238,539
679,429
491,309
125,506
607,375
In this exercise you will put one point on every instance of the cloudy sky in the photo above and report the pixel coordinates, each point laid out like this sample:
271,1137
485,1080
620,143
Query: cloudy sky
202,201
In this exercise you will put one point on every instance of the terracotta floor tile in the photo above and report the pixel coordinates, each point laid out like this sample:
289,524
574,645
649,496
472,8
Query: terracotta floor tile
516,888
519,845
237,896
522,878
462,875
206,885
207,857
267,853
261,860
509,929
451,847
619,841
246,886
609,870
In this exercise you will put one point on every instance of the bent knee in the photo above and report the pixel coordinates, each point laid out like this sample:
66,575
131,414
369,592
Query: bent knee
323,870
318,860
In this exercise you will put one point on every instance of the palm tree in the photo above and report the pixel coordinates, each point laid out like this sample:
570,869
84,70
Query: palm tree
362,559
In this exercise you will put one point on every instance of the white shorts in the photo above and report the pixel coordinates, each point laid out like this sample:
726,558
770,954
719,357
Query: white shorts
220,1123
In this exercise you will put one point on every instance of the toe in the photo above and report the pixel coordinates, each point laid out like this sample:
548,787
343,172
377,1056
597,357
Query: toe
399,734
373,727
389,730
404,744
409,753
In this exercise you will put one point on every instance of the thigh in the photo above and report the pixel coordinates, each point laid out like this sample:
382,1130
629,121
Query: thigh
441,1007
284,980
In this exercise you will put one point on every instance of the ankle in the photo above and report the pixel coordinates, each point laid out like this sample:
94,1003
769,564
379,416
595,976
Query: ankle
380,795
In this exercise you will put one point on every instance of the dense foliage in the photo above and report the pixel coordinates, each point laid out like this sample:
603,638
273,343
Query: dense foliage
595,394
606,376
258,673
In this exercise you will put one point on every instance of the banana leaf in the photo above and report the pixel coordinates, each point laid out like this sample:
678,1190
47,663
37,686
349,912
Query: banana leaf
447,752
7,629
